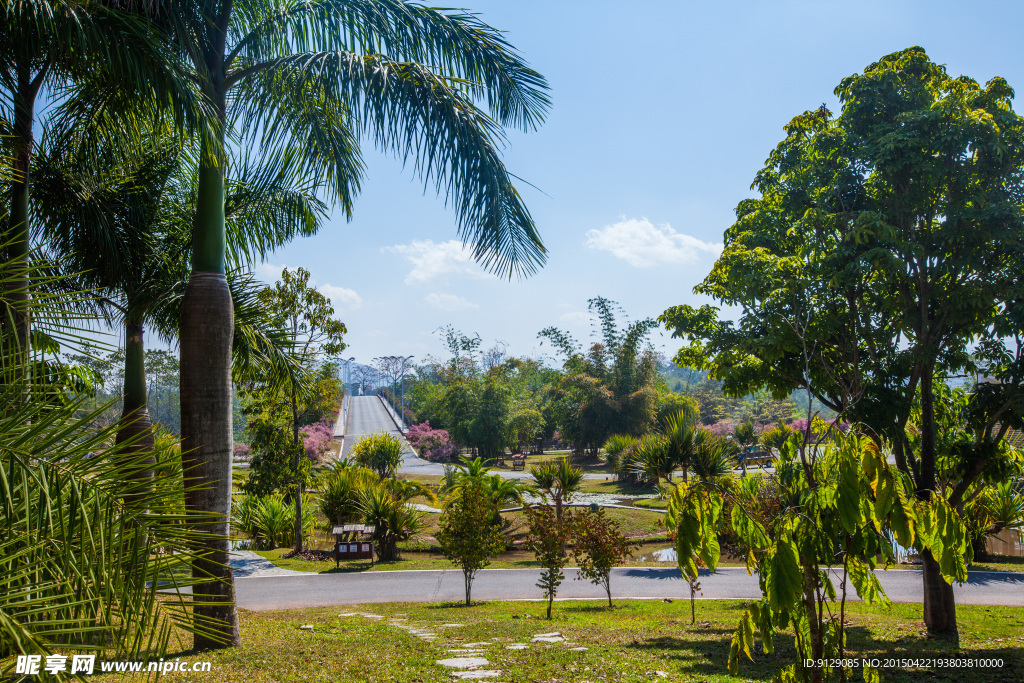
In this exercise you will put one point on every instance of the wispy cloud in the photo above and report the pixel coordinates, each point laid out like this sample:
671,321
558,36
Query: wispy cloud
449,302
342,298
642,244
432,261
268,272
576,317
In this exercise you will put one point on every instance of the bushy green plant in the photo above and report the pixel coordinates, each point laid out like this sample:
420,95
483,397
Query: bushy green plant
393,519
381,452
600,546
774,437
469,536
548,533
339,497
270,520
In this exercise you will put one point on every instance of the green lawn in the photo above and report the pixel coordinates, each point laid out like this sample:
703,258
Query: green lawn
628,644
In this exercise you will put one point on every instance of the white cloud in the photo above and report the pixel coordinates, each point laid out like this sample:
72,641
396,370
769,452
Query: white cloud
576,317
432,260
642,244
268,272
343,299
449,302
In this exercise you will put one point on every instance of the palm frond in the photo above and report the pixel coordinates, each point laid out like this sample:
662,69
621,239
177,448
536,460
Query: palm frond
313,101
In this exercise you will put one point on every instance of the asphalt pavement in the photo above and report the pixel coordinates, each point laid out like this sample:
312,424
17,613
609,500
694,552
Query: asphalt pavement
322,590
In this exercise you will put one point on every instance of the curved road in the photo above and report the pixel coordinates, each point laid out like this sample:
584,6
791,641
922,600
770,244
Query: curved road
321,590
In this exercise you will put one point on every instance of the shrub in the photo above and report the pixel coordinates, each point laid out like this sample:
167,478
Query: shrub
600,546
432,444
241,452
547,538
392,518
381,452
469,536
339,501
776,436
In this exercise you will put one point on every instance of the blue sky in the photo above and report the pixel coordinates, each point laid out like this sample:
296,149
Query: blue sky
662,114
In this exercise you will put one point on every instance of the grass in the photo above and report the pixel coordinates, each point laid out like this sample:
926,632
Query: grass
627,644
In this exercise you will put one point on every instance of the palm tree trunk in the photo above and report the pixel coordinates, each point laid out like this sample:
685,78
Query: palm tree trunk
207,327
135,426
18,235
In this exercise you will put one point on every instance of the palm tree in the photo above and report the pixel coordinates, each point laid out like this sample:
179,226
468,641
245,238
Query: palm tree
114,222
97,57
559,480
311,78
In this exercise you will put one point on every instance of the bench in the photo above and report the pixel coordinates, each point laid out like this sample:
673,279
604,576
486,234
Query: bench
518,462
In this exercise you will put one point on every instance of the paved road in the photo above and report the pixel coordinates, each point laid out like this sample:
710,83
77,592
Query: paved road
368,414
321,590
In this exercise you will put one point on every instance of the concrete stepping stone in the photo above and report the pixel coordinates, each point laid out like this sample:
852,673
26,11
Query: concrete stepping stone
349,614
578,649
477,674
451,625
476,644
517,646
548,638
463,662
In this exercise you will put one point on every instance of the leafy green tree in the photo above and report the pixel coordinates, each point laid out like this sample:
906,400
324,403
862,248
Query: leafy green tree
600,547
307,317
546,540
885,197
469,536
308,81
489,430
611,388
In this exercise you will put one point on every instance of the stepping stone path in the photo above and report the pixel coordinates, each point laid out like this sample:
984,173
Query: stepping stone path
468,657
477,674
463,662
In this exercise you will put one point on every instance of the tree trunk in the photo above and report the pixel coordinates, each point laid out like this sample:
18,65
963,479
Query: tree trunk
296,461
135,426
18,236
939,604
207,327
468,578
608,588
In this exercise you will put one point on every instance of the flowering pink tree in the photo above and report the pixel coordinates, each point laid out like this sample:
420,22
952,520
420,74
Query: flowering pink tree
432,444
316,438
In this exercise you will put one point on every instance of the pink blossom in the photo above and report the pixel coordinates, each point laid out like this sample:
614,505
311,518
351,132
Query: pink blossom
317,439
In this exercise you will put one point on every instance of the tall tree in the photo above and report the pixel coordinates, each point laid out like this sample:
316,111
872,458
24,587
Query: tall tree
312,78
611,388
102,58
886,242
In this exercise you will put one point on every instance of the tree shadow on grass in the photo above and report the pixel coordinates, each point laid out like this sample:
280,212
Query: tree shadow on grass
707,653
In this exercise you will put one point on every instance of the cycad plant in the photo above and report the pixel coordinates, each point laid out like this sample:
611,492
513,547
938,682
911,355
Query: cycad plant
557,480
88,553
